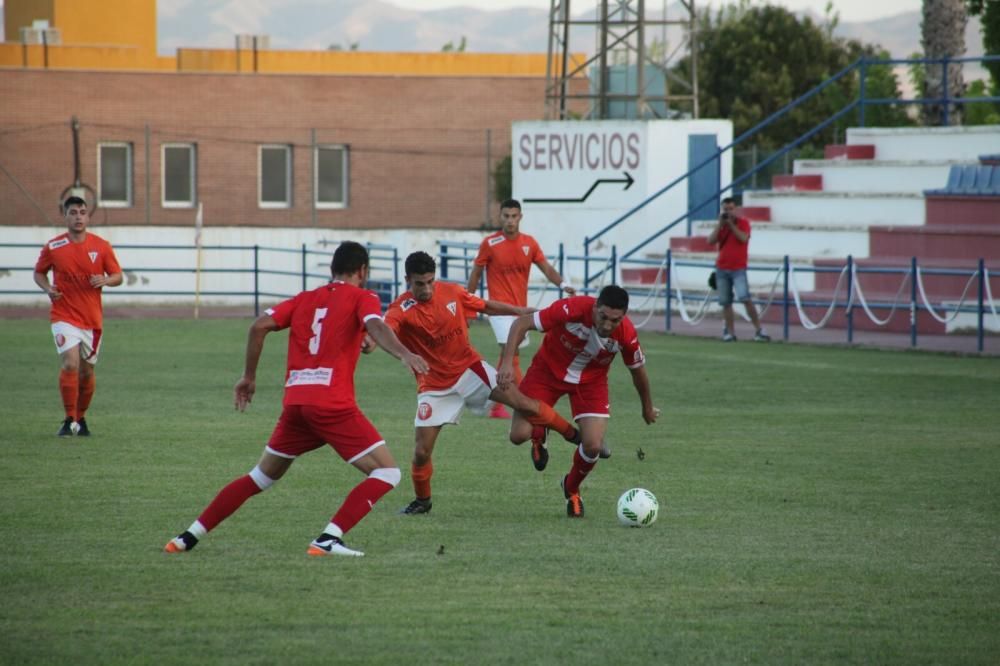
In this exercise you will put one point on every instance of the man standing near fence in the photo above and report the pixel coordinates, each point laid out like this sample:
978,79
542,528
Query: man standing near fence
82,264
507,256
732,234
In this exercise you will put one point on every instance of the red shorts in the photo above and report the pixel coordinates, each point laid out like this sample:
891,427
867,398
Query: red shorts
304,428
590,399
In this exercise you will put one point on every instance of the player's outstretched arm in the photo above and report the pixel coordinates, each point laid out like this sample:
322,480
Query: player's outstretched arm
641,382
553,275
386,338
500,308
247,384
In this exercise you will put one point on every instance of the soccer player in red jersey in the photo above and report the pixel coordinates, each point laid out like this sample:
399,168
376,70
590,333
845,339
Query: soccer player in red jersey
326,329
507,257
430,319
582,337
82,264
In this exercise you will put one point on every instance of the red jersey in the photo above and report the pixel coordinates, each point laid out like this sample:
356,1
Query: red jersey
571,349
437,330
733,251
72,264
327,326
508,265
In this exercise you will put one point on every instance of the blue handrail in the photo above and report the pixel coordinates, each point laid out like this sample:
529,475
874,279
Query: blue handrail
861,65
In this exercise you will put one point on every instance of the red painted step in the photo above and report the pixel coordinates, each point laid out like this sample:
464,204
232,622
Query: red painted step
797,183
936,286
849,152
816,304
956,210
691,244
941,241
754,213
646,275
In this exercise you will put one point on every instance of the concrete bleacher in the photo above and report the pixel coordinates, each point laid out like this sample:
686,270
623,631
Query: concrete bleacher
884,197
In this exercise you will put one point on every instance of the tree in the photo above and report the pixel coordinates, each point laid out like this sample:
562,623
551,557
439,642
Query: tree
753,60
503,180
943,36
988,12
450,46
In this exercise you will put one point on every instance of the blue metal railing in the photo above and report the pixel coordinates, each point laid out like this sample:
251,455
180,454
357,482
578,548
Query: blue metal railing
860,66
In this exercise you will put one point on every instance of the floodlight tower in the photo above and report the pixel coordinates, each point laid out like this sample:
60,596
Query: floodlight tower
635,55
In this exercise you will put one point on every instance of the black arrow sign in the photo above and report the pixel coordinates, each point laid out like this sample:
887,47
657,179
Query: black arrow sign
628,180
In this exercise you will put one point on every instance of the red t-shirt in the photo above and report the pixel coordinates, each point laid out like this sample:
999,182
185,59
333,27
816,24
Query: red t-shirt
437,331
508,265
571,349
72,264
327,326
733,251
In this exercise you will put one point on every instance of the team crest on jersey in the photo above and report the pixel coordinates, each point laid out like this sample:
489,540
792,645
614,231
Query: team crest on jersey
525,249
93,256
452,307
497,239
60,340
424,411
54,245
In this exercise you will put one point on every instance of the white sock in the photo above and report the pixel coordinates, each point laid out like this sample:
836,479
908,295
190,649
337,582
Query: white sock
197,530
333,530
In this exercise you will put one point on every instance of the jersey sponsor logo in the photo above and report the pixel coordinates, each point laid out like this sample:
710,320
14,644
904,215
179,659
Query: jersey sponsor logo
452,308
54,245
495,241
407,304
93,256
424,411
525,249
310,377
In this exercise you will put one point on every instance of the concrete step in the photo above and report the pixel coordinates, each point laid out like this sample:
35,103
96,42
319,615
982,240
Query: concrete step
761,275
928,143
797,183
968,322
913,176
957,210
839,208
893,271
846,152
967,242
777,239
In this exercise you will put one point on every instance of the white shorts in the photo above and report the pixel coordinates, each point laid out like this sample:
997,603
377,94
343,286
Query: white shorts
473,388
67,336
501,328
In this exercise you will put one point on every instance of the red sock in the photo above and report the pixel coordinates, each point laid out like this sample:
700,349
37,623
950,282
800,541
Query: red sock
581,468
69,388
227,501
421,479
359,502
86,394
551,419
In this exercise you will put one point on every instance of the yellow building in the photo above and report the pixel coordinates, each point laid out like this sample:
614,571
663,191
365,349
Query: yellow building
121,35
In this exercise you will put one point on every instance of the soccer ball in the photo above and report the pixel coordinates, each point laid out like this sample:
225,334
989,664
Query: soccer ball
637,508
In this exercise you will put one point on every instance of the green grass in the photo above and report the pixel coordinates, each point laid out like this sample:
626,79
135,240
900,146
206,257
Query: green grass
818,505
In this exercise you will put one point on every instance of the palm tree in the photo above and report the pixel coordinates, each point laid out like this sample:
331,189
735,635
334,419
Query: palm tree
943,35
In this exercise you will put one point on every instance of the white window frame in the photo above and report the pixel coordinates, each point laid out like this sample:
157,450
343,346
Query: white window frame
287,203
345,171
115,203
193,153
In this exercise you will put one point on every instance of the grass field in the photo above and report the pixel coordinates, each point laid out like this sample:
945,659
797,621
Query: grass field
818,505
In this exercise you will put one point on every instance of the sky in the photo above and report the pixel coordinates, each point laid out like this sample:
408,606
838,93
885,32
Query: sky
850,10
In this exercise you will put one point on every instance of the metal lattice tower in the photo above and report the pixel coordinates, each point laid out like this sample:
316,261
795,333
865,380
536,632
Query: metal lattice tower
623,49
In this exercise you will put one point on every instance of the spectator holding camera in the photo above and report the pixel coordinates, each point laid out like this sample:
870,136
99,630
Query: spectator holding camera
732,234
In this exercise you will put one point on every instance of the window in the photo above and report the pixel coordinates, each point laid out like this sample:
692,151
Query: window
179,174
275,176
114,174
331,177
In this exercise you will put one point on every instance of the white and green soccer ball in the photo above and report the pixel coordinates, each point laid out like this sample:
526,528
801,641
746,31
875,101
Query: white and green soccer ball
637,508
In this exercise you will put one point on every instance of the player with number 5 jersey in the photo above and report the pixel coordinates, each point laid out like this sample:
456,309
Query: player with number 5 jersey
327,327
